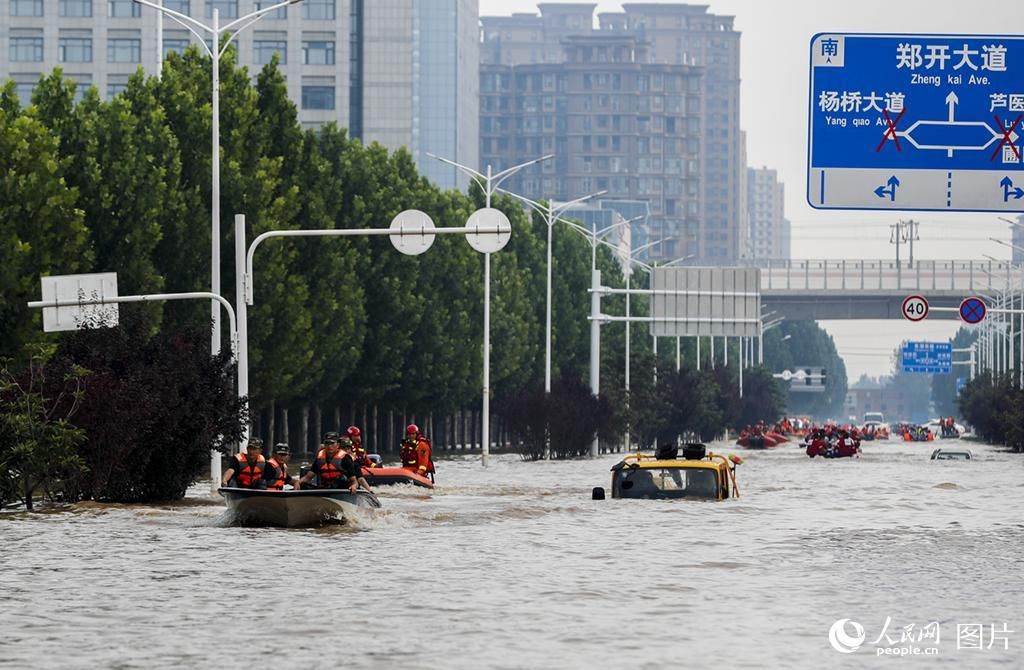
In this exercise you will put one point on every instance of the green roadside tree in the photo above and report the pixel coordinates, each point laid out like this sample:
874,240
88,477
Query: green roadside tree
763,398
38,449
443,369
125,166
41,229
379,187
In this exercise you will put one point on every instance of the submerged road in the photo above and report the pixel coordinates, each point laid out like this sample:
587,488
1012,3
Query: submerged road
515,567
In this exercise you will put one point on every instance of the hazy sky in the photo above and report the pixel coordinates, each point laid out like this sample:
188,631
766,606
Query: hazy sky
774,69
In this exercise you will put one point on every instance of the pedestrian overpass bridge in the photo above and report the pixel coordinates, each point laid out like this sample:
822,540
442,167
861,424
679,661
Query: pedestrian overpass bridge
874,289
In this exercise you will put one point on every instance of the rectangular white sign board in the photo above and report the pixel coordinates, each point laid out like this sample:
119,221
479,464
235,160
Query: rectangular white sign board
79,287
705,301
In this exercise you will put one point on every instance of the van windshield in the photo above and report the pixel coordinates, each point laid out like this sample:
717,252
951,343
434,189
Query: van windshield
667,483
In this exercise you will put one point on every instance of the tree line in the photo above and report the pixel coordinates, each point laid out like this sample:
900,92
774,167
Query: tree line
342,330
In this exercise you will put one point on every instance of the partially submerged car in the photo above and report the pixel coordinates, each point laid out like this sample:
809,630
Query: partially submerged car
953,455
698,474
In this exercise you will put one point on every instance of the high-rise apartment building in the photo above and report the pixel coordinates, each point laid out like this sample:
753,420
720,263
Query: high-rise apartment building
401,72
675,36
769,228
614,122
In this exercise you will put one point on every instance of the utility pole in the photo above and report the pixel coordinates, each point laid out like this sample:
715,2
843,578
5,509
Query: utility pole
904,231
910,233
895,237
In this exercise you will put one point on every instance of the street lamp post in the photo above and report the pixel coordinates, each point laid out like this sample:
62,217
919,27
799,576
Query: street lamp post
490,183
630,261
1017,248
215,31
551,214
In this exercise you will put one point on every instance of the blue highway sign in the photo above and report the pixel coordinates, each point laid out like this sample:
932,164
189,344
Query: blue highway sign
918,122
927,357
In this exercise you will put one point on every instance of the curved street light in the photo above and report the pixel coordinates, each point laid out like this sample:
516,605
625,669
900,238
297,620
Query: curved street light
489,183
216,51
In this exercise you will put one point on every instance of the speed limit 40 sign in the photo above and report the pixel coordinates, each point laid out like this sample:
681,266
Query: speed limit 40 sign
915,308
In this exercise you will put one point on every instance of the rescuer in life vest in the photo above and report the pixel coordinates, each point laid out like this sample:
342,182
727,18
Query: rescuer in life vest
247,467
416,452
358,452
334,467
276,475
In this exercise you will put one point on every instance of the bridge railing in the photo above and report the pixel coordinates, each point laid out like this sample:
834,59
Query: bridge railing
887,275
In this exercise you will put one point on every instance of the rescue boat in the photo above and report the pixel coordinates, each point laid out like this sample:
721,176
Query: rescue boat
291,509
698,474
388,476
761,440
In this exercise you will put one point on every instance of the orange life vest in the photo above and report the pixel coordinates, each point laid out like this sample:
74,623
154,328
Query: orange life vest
280,472
359,453
409,452
329,471
424,462
249,474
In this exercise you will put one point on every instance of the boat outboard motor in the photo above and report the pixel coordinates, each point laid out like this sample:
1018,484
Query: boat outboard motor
375,459
694,451
667,452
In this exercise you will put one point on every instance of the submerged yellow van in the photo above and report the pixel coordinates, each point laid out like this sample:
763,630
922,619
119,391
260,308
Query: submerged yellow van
698,474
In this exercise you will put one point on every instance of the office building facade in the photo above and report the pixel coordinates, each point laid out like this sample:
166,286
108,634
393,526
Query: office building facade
400,72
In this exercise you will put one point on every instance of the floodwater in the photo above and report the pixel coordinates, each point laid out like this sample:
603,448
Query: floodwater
514,566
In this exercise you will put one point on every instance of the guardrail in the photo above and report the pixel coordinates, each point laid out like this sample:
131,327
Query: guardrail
887,275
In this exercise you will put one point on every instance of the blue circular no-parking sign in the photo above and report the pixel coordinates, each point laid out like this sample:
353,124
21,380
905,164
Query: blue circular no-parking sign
972,310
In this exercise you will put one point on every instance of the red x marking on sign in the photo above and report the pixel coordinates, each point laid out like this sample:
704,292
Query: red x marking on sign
1006,137
891,130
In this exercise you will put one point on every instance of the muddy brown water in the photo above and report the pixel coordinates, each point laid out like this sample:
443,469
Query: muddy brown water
514,566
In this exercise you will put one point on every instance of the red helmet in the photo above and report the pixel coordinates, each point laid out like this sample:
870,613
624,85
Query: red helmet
412,429
353,431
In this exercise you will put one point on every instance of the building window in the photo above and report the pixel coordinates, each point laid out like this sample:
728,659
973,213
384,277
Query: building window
116,89
277,14
74,50
121,9
83,82
26,8
228,8
318,9
124,50
318,97
75,8
26,49
175,45
264,50
181,6
24,90
318,53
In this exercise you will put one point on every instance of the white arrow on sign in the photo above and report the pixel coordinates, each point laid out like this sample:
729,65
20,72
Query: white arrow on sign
493,230
915,308
413,228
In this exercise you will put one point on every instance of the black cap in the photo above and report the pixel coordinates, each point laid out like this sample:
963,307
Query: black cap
255,443
281,448
331,436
